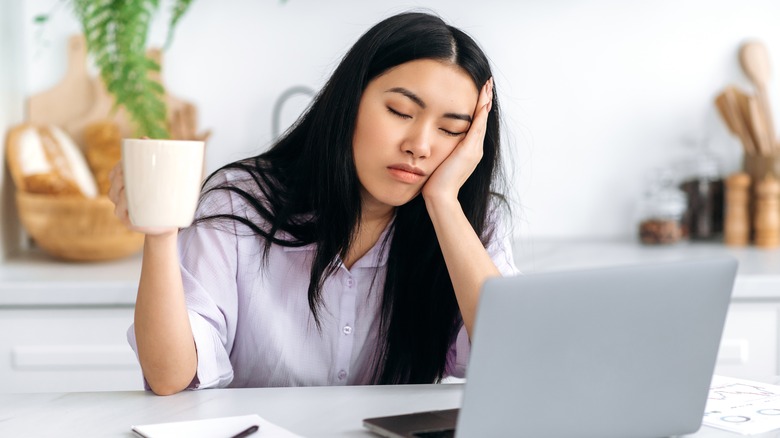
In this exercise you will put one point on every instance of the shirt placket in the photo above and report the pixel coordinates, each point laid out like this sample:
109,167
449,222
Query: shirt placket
346,327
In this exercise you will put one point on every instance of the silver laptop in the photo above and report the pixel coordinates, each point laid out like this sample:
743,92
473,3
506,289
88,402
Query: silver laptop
613,352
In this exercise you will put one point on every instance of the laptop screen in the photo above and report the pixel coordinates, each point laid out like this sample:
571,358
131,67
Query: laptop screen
614,352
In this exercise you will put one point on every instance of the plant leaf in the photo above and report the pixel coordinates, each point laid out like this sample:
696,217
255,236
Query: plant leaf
179,8
116,33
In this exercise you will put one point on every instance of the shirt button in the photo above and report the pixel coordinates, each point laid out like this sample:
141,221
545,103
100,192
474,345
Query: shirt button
347,330
342,375
350,282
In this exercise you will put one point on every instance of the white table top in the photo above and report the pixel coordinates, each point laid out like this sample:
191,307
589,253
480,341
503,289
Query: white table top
310,412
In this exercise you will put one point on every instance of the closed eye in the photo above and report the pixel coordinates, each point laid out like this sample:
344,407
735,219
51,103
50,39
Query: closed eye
452,134
401,115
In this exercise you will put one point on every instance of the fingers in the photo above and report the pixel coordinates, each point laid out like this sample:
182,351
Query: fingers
120,209
116,193
117,180
484,105
485,101
490,95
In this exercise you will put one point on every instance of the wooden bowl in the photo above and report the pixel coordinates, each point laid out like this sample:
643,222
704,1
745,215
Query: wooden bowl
76,228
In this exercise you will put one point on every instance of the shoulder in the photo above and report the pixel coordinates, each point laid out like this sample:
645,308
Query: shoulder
235,188
245,173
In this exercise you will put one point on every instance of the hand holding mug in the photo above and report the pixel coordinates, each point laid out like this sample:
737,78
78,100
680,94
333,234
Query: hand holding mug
156,185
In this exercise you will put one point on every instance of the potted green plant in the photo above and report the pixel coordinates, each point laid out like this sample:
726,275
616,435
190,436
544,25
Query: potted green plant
116,34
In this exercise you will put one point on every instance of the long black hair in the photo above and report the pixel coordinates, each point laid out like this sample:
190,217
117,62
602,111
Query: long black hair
305,190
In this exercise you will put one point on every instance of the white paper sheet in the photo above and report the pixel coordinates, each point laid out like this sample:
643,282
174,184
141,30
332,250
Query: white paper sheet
743,406
214,428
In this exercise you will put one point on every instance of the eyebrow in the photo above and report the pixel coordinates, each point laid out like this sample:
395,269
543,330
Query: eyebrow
416,99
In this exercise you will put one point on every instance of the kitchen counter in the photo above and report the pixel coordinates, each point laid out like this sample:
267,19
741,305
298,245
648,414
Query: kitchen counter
63,324
35,279
758,276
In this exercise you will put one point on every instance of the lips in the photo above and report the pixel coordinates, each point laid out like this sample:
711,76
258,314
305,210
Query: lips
406,173
407,168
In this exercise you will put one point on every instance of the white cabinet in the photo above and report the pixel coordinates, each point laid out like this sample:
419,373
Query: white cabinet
70,349
749,345
751,338
63,325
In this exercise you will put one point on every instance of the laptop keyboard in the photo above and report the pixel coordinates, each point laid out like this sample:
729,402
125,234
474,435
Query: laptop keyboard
448,433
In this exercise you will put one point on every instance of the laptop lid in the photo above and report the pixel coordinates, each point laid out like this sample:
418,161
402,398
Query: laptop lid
614,352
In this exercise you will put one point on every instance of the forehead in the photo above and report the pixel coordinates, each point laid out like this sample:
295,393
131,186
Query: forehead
435,82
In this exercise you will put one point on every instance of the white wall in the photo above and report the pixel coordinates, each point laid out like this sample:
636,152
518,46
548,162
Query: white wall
595,93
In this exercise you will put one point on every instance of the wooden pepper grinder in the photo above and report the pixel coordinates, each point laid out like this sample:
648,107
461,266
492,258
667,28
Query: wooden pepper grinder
736,229
767,220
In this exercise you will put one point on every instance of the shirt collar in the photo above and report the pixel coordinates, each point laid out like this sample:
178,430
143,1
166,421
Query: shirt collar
374,258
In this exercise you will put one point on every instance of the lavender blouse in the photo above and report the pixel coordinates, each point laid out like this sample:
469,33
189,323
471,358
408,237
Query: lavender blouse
252,325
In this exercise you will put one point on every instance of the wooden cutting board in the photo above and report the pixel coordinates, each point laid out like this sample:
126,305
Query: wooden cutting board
72,97
80,100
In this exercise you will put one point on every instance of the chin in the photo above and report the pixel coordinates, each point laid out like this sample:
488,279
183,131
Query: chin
391,196
402,200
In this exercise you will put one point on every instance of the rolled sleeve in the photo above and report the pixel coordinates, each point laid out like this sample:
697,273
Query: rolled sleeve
134,345
212,305
214,368
208,267
500,249
458,356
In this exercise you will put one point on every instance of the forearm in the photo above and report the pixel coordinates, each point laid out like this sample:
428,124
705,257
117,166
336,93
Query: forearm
467,260
166,348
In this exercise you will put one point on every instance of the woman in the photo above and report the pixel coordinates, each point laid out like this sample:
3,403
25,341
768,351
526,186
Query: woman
351,252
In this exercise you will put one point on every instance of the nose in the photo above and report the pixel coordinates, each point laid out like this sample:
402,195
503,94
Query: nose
417,143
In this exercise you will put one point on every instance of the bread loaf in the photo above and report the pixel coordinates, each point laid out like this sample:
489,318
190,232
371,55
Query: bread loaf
103,143
43,159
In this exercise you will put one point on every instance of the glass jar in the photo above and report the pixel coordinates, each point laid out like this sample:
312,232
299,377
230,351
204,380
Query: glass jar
703,185
662,211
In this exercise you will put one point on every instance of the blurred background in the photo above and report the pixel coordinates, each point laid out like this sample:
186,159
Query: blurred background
609,123
596,94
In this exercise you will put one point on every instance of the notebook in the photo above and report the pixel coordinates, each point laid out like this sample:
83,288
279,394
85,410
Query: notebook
623,352
241,426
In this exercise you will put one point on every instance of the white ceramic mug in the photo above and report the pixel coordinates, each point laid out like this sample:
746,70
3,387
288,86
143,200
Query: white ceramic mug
162,181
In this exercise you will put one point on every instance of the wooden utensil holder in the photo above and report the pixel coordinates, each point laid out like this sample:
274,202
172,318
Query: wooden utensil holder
759,166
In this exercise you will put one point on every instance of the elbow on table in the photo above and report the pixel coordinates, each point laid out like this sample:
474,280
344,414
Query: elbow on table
169,376
168,383
167,387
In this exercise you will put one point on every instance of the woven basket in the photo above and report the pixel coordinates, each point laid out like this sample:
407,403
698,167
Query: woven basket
74,228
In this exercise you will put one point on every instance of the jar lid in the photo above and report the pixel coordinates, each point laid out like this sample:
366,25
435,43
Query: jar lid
706,167
666,202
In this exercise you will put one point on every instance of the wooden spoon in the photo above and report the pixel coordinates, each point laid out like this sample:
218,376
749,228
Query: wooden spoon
730,102
743,108
758,127
730,115
754,59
